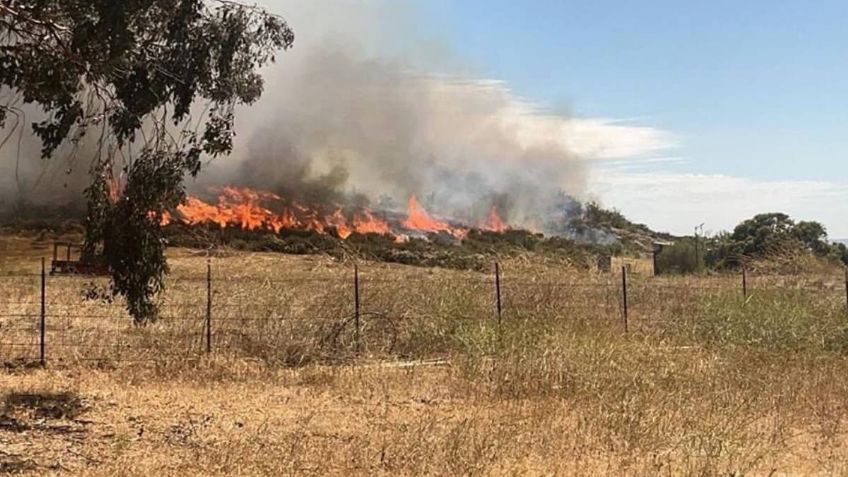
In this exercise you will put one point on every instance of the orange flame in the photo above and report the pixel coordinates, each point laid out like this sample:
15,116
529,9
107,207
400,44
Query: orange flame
493,221
365,223
250,209
419,219
243,207
114,187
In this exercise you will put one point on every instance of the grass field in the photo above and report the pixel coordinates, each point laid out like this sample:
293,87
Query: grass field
705,382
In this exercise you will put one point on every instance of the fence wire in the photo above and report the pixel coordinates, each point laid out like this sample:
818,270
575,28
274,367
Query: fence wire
360,311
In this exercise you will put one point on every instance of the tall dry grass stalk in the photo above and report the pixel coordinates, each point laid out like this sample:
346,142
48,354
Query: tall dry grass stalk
707,382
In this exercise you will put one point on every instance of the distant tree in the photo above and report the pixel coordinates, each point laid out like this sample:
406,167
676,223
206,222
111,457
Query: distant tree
769,233
721,251
812,235
763,233
841,252
595,215
156,82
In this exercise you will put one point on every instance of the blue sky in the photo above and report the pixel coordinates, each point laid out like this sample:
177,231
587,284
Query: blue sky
754,90
686,112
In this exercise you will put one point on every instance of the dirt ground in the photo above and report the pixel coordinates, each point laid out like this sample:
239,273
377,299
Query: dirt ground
364,420
388,419
706,382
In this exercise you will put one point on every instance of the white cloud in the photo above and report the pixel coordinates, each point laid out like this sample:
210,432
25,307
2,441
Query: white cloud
676,202
598,138
589,138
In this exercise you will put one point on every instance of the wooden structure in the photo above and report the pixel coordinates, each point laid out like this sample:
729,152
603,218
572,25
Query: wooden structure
658,246
68,266
643,266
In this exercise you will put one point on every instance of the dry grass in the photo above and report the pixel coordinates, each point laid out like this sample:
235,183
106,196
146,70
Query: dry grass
705,383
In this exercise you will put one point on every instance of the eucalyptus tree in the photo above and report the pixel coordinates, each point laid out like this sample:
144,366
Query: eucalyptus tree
155,84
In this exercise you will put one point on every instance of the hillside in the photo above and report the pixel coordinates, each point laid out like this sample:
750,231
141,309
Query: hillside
586,240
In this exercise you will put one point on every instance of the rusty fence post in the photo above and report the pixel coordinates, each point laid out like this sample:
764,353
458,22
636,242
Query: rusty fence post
356,305
624,296
208,305
42,325
744,283
498,291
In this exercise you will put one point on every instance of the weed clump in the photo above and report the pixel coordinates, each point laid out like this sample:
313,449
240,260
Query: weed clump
63,405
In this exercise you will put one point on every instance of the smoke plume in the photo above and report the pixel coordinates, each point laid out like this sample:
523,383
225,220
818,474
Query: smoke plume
342,118
346,117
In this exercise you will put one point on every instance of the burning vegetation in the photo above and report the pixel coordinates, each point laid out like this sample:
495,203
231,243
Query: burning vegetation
252,219
244,218
255,210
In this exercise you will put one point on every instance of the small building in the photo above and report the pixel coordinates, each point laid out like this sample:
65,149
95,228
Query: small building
645,265
658,246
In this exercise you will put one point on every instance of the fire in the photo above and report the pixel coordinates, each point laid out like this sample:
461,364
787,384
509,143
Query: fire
114,188
339,221
250,209
494,223
367,223
195,211
419,219
246,208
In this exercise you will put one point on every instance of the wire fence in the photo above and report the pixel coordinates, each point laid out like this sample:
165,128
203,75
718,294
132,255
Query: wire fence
69,318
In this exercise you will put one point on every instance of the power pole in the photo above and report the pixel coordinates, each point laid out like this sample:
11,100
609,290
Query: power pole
698,247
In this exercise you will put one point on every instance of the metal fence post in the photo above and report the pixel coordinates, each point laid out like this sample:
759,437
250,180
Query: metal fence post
846,289
498,290
744,283
624,295
356,305
43,317
208,305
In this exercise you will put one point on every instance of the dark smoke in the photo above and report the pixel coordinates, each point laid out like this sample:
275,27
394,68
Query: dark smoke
32,185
